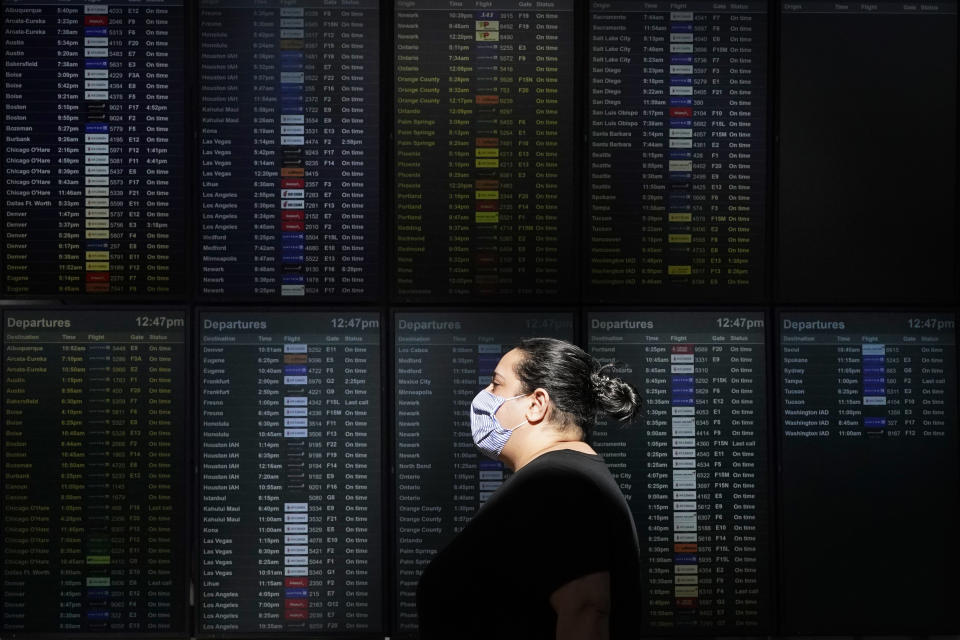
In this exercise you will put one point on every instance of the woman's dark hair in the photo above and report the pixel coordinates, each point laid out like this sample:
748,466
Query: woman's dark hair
578,384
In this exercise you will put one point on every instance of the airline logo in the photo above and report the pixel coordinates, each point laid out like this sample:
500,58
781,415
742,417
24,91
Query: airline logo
292,141
97,205
487,30
490,473
873,362
684,442
296,521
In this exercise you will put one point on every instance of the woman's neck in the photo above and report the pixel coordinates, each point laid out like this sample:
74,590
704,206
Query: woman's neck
576,445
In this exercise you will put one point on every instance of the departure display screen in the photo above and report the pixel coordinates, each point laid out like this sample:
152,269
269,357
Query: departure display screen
94,148
290,471
868,428
290,153
94,470
484,149
695,468
849,70
677,149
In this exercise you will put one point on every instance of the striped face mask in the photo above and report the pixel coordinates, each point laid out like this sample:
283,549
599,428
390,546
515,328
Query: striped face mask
488,434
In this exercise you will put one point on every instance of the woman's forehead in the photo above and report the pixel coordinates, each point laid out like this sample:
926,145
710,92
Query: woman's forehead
505,368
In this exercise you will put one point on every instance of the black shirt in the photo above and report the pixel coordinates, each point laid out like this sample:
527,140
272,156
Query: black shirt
560,517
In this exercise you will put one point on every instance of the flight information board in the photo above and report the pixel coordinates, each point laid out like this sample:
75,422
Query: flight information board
484,148
869,472
442,361
677,148
93,148
290,471
94,472
695,468
849,70
289,149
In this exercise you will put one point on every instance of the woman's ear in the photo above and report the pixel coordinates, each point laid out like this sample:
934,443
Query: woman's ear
539,405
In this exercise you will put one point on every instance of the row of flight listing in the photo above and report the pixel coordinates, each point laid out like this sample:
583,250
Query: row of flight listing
333,458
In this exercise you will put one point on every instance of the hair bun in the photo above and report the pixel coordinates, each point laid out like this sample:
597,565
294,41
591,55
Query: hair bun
615,397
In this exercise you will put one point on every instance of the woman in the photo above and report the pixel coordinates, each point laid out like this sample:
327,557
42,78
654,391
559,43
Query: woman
553,552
